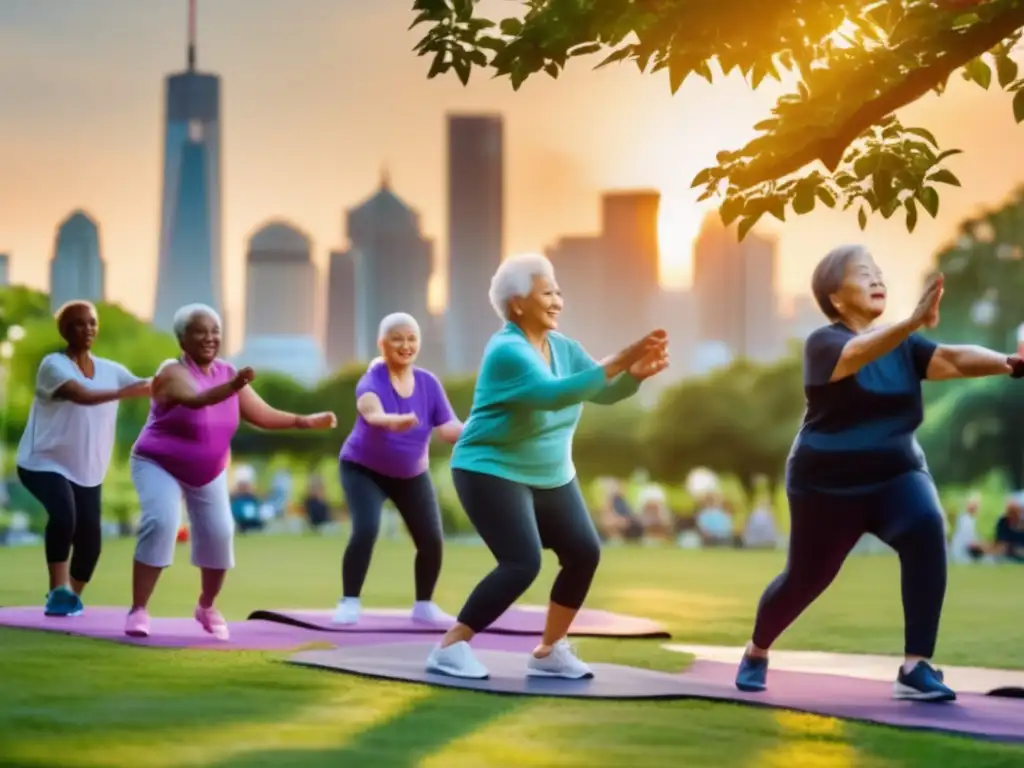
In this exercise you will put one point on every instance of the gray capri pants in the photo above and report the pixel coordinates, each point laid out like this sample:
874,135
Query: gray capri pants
209,512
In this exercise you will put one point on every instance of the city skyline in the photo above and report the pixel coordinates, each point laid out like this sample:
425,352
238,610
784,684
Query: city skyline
303,138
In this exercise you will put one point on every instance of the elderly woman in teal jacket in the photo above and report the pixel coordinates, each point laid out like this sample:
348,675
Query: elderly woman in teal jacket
513,468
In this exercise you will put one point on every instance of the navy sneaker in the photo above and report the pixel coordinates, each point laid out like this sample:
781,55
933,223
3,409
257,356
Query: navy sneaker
922,683
63,602
752,675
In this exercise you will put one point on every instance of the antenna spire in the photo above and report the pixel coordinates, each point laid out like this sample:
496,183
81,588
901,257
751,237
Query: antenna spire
191,35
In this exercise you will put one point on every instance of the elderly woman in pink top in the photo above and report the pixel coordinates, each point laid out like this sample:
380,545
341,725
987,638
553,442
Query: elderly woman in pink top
198,402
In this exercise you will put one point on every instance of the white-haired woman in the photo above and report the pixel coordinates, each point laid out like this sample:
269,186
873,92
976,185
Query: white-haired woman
66,447
513,468
198,402
399,407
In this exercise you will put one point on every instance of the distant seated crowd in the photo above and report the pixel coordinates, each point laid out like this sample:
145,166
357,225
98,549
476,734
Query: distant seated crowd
1007,539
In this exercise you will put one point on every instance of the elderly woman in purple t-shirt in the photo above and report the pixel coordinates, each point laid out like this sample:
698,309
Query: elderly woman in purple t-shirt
198,402
386,457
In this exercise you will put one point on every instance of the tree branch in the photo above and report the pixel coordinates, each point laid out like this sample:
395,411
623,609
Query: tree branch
829,149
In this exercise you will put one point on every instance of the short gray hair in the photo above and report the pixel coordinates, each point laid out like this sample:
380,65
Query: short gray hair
514,279
186,315
829,275
396,320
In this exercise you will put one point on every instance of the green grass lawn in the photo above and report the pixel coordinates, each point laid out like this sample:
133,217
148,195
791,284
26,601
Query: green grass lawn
75,702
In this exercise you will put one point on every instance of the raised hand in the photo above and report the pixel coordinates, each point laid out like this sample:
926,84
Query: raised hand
243,378
655,342
927,311
325,420
651,364
402,422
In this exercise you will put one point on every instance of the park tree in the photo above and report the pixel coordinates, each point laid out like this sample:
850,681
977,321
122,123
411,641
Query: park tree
834,140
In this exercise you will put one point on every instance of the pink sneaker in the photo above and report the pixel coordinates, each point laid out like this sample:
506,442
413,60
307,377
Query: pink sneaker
212,622
137,623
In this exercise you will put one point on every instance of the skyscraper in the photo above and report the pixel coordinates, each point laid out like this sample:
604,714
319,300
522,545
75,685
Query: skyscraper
341,310
76,270
280,304
580,271
5,270
476,210
190,223
393,264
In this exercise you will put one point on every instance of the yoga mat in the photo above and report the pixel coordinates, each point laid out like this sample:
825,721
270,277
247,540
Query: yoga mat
847,698
863,666
518,620
102,623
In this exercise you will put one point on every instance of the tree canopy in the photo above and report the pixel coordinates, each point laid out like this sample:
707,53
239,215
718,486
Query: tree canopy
834,140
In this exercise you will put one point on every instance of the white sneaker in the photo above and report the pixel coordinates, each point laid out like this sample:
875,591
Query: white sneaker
561,662
426,612
348,611
457,660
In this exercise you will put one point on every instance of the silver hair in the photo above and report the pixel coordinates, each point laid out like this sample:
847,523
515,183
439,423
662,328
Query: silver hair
514,279
396,320
186,315
829,275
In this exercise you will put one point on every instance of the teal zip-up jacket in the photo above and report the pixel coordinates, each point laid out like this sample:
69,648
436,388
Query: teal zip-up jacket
524,413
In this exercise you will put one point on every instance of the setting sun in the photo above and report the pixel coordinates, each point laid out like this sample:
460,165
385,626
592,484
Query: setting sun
678,224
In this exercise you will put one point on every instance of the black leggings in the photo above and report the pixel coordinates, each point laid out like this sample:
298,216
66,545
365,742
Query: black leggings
73,528
516,522
365,493
905,514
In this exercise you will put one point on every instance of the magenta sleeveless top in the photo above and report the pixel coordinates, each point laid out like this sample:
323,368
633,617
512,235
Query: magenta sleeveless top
192,444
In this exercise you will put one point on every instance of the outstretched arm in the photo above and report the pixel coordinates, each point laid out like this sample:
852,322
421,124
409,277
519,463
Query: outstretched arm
172,385
373,413
255,410
621,387
963,361
56,380
519,377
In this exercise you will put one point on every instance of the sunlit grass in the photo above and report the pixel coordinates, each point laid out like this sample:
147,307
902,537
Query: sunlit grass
116,706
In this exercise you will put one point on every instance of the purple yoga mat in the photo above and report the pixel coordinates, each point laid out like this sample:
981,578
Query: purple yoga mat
848,698
518,620
108,624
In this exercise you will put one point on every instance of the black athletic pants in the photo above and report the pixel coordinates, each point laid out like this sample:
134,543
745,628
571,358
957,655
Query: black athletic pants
516,522
73,525
904,513
365,493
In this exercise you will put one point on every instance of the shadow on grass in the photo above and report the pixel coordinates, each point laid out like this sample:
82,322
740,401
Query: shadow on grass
433,722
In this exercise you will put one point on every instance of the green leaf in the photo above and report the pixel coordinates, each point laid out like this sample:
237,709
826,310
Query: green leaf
1006,70
703,177
777,207
942,176
862,218
586,50
1018,106
462,68
510,27
767,125
924,134
731,209
929,199
439,65
978,71
803,201
826,197
746,225
948,153
615,56
552,69
678,69
911,207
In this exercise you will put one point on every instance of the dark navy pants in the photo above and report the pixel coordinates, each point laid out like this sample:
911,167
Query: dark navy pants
904,513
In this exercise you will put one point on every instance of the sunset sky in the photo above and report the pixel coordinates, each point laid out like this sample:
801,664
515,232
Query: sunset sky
320,94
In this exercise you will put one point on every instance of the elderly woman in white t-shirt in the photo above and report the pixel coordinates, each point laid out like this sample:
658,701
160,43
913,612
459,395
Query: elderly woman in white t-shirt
66,448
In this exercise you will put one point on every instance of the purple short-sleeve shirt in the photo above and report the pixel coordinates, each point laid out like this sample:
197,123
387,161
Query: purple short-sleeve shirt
398,454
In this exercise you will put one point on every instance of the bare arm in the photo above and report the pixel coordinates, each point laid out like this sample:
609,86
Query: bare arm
255,410
372,411
869,346
962,361
450,431
74,392
173,386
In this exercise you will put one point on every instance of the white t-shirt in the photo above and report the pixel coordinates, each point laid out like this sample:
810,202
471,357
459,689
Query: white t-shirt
76,441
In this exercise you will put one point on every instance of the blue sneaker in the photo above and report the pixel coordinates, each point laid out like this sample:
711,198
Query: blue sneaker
752,675
922,683
63,602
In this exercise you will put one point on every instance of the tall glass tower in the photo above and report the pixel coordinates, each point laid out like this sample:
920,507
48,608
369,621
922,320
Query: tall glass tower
190,222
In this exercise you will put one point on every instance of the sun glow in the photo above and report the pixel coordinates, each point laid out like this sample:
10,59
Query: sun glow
679,223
